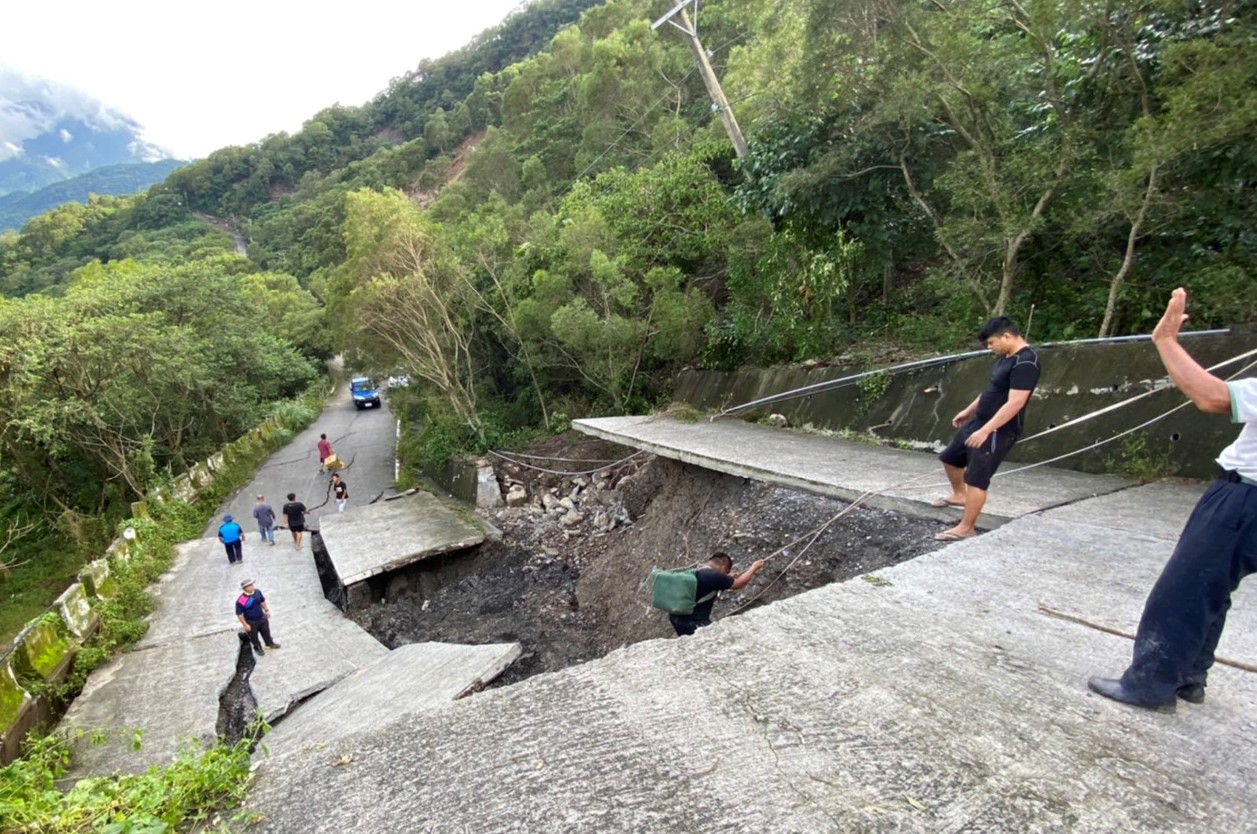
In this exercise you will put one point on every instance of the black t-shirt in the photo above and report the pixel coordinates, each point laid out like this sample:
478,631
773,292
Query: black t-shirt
1019,372
295,512
341,489
709,580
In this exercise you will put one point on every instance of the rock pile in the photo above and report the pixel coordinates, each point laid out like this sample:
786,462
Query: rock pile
558,514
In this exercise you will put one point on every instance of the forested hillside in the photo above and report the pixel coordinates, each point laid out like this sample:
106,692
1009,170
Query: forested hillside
551,221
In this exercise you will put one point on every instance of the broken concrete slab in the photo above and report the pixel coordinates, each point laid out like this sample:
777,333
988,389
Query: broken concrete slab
319,646
411,679
198,594
892,479
367,541
170,684
170,691
936,698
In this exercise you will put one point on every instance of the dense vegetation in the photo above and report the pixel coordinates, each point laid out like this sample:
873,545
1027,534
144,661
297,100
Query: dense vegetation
551,221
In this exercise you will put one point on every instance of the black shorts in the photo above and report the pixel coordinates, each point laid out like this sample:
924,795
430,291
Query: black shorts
299,527
979,464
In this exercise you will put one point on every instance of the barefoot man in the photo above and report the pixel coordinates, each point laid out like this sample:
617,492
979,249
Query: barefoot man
989,426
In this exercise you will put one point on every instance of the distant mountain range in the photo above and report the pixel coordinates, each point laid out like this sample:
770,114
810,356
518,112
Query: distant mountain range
18,207
52,135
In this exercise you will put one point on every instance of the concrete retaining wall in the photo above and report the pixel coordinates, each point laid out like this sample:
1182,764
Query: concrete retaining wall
915,408
43,654
470,480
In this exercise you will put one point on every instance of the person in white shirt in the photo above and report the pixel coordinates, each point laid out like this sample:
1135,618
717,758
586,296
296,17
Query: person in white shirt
1187,607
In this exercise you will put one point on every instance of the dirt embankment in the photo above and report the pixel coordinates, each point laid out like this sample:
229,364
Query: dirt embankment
568,581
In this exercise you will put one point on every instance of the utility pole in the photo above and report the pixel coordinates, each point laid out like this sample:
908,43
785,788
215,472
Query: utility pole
679,18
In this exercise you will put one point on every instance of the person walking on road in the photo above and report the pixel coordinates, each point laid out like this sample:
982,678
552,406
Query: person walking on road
340,490
989,426
295,513
266,520
255,615
325,451
1187,607
232,536
712,579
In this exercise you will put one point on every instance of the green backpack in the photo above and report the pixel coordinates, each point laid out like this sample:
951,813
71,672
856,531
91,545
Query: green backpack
674,590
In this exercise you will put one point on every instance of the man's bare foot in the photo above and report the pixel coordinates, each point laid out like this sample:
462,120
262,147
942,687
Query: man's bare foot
955,534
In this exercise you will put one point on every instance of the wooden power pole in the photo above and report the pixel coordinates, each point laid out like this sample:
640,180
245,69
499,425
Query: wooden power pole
680,18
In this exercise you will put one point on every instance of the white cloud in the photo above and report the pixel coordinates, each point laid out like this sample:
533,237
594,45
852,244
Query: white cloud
66,136
198,79
30,106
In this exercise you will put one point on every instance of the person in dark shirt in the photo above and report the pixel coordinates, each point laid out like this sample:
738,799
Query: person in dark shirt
255,615
989,426
232,537
712,579
295,513
340,490
266,520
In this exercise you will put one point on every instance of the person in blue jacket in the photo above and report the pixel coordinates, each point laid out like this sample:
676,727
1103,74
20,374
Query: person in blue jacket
232,537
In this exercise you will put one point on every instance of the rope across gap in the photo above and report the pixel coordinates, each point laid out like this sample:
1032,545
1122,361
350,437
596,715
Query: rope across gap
907,485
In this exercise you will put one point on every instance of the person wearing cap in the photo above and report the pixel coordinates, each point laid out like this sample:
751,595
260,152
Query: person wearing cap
255,615
1187,607
266,520
232,537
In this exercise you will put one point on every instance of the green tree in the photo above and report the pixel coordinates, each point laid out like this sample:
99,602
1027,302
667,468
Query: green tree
405,301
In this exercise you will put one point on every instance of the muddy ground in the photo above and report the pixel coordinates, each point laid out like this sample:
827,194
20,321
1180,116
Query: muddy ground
568,578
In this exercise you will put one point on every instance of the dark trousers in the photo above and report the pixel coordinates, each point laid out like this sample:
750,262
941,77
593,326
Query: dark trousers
1187,608
259,633
235,551
684,625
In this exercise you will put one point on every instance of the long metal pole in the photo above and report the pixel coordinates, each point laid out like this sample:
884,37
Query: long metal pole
713,88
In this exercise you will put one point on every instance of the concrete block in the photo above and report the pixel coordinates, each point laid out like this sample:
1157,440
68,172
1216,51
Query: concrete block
183,489
43,651
77,612
488,493
96,579
201,476
16,708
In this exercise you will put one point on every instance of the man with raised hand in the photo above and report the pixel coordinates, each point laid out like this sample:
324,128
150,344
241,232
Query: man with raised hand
1186,610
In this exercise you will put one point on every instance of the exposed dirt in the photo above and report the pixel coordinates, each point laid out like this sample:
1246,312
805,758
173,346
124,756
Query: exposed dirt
570,582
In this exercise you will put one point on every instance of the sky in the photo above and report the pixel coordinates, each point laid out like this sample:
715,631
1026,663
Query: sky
231,72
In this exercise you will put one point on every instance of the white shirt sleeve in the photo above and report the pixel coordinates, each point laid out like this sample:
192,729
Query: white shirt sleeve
1243,400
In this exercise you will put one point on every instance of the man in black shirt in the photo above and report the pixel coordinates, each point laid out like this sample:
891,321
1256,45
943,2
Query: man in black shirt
295,513
989,426
712,579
